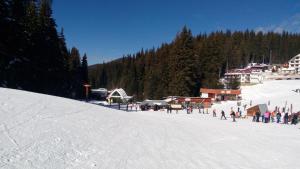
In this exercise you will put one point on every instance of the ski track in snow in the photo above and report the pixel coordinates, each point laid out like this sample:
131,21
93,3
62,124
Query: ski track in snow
41,131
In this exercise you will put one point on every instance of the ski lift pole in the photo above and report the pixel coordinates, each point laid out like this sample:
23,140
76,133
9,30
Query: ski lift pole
87,86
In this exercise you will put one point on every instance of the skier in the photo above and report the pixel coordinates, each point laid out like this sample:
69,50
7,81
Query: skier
245,106
233,116
254,117
223,115
267,116
286,118
257,114
272,116
294,119
278,116
214,113
262,117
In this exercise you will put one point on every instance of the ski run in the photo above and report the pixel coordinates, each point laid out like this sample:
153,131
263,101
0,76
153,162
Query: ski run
46,132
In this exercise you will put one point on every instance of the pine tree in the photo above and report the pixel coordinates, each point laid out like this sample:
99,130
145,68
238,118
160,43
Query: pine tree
84,69
188,63
4,29
182,65
76,75
103,77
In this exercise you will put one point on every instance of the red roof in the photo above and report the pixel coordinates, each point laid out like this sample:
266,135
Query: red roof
194,99
221,91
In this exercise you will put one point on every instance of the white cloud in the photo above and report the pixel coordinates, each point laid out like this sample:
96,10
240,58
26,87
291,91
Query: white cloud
291,25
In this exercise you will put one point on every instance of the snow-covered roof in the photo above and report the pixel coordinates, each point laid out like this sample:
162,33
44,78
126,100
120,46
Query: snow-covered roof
99,90
288,69
119,93
154,102
293,58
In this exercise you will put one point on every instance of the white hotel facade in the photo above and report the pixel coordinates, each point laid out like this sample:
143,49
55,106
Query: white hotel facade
294,63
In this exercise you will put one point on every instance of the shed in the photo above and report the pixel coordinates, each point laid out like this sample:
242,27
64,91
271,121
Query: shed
118,95
262,108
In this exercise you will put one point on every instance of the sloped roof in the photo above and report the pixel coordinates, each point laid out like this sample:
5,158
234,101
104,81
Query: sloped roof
221,91
294,57
262,107
154,102
121,94
99,90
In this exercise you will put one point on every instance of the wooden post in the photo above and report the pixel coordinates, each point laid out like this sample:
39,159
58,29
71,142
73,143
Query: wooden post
87,86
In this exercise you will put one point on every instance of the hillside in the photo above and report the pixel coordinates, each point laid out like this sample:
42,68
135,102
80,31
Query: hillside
190,62
42,131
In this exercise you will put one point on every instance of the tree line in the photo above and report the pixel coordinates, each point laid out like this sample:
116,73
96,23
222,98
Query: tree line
34,55
181,67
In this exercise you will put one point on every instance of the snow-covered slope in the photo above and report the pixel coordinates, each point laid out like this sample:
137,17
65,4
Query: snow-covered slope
280,93
40,131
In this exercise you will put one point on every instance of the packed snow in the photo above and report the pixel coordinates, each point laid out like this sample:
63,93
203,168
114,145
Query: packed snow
41,131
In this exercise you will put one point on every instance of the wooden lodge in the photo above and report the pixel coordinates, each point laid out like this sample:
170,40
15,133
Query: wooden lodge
221,94
206,102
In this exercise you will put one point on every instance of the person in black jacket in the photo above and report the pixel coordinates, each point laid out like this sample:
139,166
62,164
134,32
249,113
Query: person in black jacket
286,118
214,113
294,119
223,115
278,116
233,116
257,114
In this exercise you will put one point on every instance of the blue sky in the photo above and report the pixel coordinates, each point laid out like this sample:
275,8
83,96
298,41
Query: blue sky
108,29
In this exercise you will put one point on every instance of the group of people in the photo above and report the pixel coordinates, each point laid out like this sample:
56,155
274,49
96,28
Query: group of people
233,114
268,117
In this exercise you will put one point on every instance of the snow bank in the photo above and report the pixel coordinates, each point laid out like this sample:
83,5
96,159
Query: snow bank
40,131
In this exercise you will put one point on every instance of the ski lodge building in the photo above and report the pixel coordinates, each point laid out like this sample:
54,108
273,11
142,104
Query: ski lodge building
294,65
220,94
252,75
205,102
